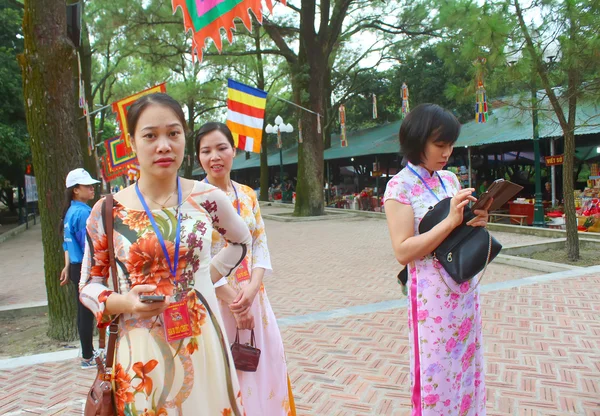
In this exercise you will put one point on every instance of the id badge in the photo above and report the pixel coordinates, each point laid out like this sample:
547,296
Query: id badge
176,320
242,272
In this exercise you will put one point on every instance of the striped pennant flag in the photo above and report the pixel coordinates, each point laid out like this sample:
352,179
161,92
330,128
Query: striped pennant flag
245,115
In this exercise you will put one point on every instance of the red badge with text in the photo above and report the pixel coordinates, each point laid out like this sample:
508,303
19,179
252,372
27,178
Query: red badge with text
176,319
242,272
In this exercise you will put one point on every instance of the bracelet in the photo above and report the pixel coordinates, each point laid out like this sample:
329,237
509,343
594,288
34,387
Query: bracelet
221,282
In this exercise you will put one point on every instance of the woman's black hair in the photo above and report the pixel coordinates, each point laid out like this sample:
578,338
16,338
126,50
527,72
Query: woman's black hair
69,194
210,127
136,109
424,122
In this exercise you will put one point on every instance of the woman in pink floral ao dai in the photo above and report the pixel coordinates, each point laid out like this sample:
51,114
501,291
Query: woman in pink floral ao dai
445,331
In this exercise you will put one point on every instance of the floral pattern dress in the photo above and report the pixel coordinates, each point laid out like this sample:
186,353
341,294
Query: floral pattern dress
444,319
192,376
266,391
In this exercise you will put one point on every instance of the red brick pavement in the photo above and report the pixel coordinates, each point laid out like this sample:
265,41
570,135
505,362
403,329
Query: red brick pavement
542,347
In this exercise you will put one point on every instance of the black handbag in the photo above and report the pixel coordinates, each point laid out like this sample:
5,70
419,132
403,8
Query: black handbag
467,250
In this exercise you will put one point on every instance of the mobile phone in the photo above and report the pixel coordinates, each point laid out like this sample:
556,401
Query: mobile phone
152,298
501,191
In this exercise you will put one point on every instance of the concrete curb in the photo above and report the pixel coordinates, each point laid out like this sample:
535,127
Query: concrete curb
17,230
23,309
531,264
288,218
506,228
539,232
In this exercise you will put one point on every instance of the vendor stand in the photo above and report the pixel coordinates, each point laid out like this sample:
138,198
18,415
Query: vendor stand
587,203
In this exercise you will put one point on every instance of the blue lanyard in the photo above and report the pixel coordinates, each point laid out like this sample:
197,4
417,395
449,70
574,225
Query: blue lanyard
427,186
237,200
172,265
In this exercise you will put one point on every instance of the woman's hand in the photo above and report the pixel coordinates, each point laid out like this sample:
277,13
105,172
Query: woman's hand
64,276
244,320
141,309
457,206
244,299
481,219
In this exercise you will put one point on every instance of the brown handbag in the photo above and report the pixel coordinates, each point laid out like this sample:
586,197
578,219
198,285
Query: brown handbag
100,399
245,356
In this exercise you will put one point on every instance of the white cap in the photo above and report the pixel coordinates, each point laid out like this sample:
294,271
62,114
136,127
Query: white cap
80,177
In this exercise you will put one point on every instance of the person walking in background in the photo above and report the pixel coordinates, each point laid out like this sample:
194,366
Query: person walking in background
268,390
80,190
445,330
177,363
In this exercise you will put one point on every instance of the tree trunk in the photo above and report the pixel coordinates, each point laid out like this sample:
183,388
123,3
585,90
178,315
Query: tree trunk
309,190
328,115
48,90
189,145
572,244
573,83
85,54
264,163
264,172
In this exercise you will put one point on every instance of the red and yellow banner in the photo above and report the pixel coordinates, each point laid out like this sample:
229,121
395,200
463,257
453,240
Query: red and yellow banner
121,107
206,18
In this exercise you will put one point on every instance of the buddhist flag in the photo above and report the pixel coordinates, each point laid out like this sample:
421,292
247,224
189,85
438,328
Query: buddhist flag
245,115
122,106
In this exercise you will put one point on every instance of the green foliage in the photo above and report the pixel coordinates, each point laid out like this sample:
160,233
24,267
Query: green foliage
14,148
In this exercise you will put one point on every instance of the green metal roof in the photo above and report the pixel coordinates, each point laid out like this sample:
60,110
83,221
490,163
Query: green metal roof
510,123
374,141
505,124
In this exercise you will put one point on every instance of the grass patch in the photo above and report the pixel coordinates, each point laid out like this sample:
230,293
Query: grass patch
26,335
588,257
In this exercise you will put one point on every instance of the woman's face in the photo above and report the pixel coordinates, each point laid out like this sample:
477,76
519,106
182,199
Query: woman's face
216,154
159,141
84,193
436,154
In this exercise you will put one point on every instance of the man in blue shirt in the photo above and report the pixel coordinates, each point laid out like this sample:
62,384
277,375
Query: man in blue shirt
80,190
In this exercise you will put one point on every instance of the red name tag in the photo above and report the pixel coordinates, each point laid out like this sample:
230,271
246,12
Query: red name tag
242,272
176,319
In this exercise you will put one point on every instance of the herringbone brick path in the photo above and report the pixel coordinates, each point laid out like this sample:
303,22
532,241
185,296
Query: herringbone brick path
325,265
321,265
542,346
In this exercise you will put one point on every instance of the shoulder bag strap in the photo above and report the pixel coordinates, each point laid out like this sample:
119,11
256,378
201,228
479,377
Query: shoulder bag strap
114,325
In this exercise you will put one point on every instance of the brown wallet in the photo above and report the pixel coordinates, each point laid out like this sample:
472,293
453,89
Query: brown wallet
502,191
